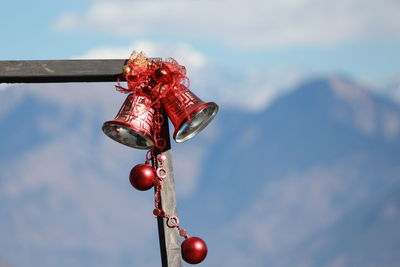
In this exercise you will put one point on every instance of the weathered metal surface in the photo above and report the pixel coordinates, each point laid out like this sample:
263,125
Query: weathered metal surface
170,240
61,71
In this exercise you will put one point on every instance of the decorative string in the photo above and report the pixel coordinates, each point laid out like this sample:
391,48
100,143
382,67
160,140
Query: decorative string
172,221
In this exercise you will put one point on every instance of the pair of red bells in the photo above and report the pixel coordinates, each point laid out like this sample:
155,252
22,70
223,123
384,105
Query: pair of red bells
133,125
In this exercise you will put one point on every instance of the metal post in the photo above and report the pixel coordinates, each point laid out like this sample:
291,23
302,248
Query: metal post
169,238
64,71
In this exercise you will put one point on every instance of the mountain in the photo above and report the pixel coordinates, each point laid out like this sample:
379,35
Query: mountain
366,236
312,180
298,167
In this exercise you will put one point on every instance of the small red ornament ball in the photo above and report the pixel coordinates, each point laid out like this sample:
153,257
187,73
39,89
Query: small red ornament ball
194,250
142,177
162,75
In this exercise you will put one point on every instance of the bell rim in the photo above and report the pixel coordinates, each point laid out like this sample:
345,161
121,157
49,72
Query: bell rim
129,127
204,125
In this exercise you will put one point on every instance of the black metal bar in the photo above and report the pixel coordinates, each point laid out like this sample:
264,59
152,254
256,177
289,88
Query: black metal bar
61,71
169,238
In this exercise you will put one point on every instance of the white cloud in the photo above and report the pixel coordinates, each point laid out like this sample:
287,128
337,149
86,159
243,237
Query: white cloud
4,86
13,96
187,162
182,52
250,23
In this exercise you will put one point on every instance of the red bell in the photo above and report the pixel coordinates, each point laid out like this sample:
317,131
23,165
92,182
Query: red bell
181,107
133,124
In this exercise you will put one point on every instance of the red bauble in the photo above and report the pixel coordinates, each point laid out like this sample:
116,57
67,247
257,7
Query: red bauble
194,250
142,177
162,75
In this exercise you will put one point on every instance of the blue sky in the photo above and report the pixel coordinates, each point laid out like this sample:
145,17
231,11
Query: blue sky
360,38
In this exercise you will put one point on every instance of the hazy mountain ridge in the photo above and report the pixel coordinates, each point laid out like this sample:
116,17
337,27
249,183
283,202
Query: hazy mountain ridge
284,186
297,132
366,236
295,143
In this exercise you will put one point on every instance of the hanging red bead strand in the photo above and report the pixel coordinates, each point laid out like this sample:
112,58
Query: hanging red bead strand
143,177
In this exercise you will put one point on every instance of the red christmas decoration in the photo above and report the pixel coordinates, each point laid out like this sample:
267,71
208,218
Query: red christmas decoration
162,75
194,250
165,82
153,86
188,113
142,177
133,124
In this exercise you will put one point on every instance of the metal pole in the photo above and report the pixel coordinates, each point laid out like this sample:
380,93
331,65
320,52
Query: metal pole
61,71
169,238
